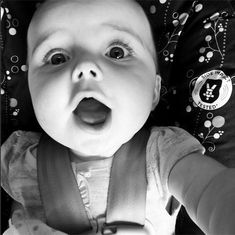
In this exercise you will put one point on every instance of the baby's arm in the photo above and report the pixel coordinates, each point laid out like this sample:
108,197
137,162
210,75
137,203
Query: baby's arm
207,189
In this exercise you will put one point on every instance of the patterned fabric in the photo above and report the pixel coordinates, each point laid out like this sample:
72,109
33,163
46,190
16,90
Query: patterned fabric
165,147
197,60
195,40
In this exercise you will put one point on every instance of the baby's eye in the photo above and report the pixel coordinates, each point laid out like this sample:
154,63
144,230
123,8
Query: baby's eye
116,53
56,57
119,51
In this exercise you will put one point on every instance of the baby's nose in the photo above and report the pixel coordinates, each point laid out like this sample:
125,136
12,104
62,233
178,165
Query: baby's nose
87,70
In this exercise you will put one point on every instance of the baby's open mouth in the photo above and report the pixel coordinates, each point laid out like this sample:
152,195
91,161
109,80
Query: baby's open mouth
92,112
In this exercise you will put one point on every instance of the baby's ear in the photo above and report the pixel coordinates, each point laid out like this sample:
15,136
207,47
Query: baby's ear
157,87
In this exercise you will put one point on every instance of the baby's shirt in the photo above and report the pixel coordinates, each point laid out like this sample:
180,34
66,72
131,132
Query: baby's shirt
166,146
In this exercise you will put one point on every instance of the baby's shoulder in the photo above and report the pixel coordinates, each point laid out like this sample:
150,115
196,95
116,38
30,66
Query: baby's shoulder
166,146
19,144
169,132
166,141
171,137
18,160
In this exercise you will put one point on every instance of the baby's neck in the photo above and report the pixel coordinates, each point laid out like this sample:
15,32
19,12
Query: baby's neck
81,158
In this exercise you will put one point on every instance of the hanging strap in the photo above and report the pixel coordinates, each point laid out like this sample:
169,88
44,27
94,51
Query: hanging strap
61,198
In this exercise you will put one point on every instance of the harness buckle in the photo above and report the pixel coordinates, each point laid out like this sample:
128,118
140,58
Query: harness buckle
108,229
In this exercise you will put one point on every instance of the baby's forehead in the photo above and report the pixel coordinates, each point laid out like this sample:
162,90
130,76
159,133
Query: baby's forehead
125,14
109,8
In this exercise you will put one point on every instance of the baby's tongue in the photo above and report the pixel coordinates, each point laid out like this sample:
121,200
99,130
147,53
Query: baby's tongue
92,111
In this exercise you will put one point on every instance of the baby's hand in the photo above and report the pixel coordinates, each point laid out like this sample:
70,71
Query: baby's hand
31,227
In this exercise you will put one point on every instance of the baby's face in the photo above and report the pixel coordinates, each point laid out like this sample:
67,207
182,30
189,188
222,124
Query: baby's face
92,74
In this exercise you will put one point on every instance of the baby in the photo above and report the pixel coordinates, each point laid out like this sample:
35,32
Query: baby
93,80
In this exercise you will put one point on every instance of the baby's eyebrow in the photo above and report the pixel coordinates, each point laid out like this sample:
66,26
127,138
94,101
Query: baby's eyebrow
44,38
126,30
40,42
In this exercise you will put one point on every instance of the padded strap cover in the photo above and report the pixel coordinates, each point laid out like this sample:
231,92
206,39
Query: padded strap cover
128,183
60,195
